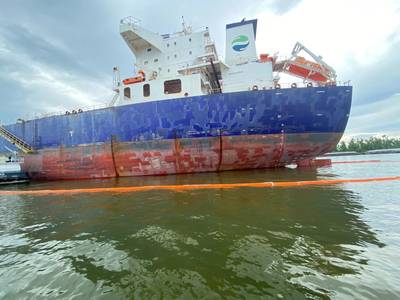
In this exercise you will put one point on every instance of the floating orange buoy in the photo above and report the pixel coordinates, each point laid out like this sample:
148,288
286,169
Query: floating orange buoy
188,187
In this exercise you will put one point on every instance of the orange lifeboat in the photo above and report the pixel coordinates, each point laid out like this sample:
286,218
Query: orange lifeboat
307,69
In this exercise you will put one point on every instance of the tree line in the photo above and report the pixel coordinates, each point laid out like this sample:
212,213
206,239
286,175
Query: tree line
373,143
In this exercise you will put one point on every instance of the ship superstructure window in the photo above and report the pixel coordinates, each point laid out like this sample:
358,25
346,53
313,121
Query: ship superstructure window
146,90
127,92
172,86
156,60
148,49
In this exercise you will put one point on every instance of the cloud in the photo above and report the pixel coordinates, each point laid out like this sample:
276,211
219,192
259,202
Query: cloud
56,55
340,30
360,39
280,7
377,117
43,76
379,80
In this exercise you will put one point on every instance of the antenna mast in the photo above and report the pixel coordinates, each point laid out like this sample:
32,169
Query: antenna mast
186,29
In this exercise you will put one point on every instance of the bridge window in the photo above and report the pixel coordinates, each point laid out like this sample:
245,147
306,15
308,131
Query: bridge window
148,49
172,86
127,92
146,90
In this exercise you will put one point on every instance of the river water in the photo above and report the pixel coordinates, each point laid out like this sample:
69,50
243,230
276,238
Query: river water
317,242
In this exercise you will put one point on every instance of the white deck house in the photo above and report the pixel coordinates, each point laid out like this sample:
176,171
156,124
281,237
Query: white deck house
186,63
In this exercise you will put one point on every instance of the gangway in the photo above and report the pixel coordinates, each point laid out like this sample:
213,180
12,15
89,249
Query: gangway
16,141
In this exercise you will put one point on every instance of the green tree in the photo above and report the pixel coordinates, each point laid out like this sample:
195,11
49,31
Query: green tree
373,143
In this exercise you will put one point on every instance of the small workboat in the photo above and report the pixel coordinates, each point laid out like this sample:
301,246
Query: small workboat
10,171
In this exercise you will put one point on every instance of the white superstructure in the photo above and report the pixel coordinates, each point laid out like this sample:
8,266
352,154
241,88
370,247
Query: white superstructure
186,63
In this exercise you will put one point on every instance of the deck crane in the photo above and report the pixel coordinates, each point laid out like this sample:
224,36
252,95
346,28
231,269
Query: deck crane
317,71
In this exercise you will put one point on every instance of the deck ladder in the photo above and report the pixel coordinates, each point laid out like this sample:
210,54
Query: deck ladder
16,141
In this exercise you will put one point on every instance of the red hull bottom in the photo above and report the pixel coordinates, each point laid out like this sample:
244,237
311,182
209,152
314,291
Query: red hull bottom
162,157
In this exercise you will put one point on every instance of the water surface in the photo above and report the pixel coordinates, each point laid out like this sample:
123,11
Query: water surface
340,241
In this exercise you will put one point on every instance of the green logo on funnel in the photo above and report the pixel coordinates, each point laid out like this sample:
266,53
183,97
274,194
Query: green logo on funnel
240,43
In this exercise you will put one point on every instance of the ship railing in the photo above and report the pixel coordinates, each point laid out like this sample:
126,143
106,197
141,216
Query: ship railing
239,87
64,112
283,85
312,84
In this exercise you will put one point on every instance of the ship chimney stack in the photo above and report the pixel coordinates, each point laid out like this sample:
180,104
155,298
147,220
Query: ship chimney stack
240,42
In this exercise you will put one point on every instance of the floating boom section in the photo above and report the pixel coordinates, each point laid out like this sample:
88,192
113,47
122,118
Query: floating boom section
317,70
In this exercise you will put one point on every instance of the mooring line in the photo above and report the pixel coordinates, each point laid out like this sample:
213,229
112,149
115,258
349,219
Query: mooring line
189,187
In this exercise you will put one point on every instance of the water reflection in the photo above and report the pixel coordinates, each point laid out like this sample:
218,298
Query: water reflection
204,244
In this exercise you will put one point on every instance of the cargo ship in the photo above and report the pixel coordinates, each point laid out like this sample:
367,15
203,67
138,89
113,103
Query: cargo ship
185,110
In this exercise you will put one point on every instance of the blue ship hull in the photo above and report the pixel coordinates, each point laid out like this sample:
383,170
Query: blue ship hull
253,129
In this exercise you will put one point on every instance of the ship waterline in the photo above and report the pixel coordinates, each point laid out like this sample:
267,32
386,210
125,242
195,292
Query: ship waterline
179,156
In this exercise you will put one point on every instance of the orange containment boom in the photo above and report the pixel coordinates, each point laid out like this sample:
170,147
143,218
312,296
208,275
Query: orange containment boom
191,187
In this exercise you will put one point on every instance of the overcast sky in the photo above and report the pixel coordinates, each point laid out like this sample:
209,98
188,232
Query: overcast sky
57,55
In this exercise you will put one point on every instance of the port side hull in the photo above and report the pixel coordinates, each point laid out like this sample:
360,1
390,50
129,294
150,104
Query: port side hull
293,110
226,131
177,156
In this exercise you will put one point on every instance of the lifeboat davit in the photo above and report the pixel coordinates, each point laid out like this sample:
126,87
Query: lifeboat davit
317,70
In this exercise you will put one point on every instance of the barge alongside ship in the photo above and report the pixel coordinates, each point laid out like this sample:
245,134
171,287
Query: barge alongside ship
186,111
